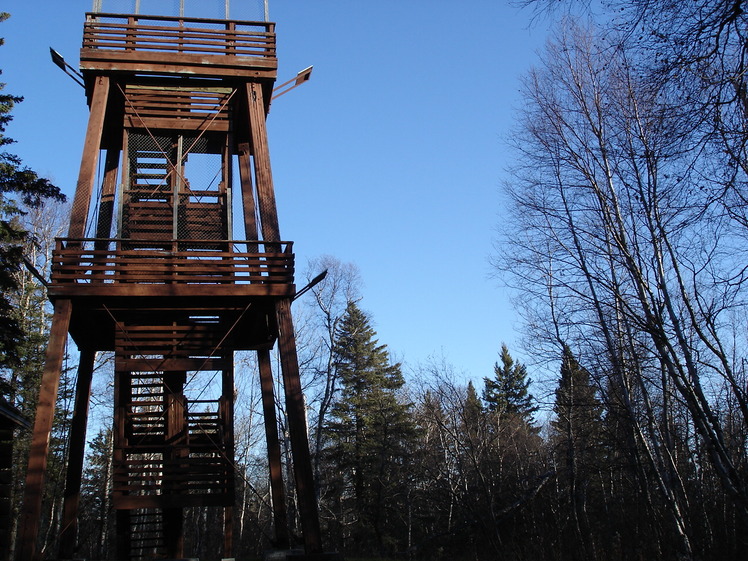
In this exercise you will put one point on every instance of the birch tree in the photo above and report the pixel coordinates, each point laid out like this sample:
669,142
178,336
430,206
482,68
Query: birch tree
626,251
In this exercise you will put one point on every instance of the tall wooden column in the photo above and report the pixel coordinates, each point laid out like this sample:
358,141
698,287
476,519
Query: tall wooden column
286,339
60,322
76,451
90,158
45,412
302,462
280,517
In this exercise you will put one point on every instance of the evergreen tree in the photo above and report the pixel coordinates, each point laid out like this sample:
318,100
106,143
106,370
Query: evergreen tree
369,434
24,317
507,393
577,438
96,513
472,410
19,187
577,407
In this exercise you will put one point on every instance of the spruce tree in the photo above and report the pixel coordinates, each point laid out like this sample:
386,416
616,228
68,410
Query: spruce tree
19,187
577,438
577,407
507,393
369,435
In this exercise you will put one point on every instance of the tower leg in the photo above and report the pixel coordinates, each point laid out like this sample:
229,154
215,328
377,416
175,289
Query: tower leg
228,532
123,526
45,411
280,520
74,473
295,409
174,532
87,173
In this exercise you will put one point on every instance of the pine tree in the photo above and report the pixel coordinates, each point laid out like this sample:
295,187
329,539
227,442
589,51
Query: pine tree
507,393
96,519
577,435
369,433
578,409
19,187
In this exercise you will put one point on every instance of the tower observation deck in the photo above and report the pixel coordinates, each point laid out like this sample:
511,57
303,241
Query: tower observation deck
151,270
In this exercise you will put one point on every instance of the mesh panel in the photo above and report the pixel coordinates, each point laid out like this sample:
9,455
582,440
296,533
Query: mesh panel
175,190
147,202
250,10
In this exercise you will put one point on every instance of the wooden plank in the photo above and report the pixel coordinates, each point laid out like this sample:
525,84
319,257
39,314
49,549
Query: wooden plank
178,63
169,364
131,502
78,290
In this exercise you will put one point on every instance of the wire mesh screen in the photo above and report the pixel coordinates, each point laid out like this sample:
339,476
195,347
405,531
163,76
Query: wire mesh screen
249,10
175,189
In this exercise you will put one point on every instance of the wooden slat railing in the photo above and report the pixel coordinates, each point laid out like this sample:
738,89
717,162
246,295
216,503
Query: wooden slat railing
179,35
116,261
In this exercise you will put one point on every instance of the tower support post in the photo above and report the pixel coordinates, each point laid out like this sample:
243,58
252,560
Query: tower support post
45,412
280,519
74,473
296,411
90,158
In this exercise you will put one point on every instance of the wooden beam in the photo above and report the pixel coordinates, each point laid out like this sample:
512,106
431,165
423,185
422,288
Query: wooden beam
248,197
263,171
106,205
278,494
170,290
45,411
90,158
71,498
296,412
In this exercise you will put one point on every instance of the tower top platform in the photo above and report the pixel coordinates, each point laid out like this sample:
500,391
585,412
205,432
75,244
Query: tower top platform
178,46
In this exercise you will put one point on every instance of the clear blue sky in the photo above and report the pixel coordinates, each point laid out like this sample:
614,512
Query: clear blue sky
391,157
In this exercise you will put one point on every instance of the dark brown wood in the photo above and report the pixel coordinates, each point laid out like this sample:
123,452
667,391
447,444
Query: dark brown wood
172,295
45,410
263,171
296,412
280,520
190,46
109,188
174,291
122,521
90,158
74,473
228,532
248,197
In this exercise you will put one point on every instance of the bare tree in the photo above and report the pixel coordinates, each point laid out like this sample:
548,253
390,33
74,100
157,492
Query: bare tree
341,286
631,258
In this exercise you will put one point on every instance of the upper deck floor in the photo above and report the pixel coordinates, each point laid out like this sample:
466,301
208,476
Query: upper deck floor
163,45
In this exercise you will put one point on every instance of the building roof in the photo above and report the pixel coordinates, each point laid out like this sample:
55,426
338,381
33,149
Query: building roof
10,413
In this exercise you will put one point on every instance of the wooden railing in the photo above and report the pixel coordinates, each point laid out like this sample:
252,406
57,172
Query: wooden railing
118,32
202,262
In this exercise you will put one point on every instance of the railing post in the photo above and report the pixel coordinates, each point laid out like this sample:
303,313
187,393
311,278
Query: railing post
231,38
130,39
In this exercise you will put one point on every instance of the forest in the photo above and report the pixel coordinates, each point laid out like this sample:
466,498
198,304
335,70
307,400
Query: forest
624,243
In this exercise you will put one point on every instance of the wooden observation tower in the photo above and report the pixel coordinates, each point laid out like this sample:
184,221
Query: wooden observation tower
150,270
